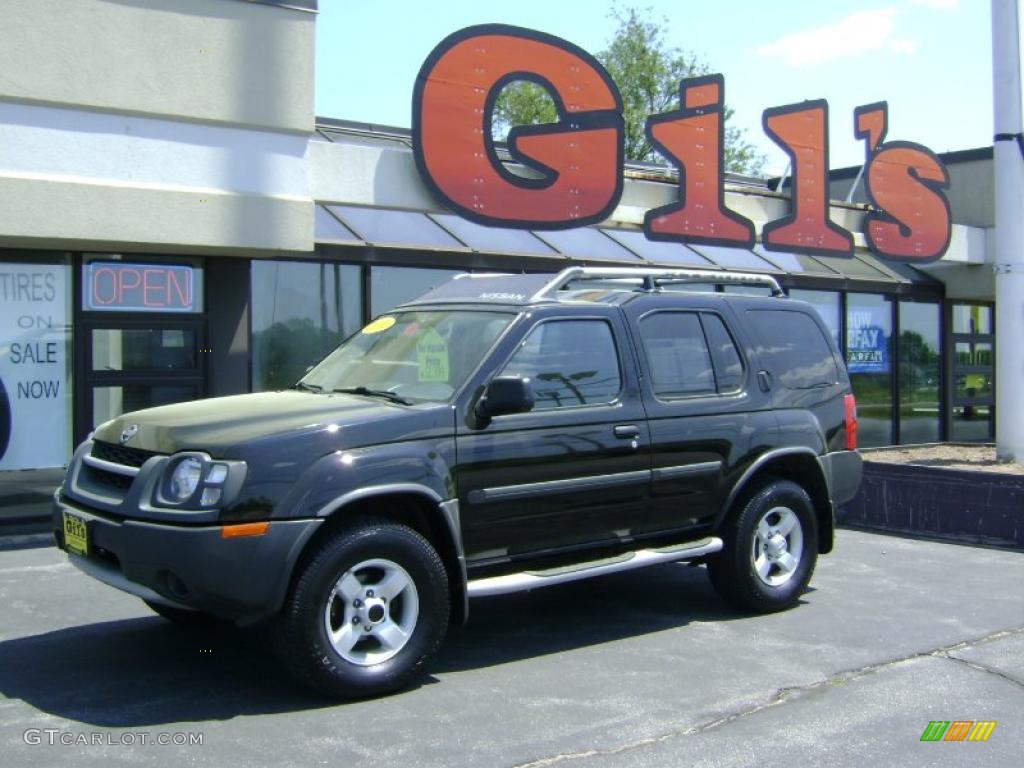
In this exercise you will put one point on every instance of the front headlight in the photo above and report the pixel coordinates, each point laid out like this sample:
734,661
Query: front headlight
193,481
186,478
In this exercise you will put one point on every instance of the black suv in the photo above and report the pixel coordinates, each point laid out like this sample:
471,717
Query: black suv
501,433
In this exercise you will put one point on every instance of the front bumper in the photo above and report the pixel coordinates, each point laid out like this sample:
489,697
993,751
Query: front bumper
243,579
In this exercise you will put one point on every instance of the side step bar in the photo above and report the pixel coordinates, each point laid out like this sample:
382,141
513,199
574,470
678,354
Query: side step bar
519,582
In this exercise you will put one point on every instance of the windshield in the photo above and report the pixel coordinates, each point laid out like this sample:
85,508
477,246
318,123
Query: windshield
412,355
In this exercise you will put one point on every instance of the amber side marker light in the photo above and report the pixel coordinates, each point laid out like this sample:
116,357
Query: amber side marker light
850,405
243,529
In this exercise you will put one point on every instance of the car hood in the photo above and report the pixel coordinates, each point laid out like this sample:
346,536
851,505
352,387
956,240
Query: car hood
221,425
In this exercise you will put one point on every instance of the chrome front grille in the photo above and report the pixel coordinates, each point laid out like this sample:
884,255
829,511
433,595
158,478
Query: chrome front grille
114,466
121,454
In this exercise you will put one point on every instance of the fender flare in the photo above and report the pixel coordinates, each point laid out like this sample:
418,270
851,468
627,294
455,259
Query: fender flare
825,516
447,512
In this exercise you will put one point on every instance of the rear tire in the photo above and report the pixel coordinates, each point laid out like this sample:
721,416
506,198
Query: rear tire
366,612
770,549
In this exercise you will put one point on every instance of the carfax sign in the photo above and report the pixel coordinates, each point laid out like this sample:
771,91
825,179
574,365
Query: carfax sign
867,345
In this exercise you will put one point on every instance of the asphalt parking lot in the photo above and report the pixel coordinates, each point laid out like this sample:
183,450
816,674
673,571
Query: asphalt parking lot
645,668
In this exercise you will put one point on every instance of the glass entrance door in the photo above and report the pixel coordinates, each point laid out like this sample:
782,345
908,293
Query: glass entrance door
140,338
140,364
971,356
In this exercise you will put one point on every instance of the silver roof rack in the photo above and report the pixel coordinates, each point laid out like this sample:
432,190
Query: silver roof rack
651,279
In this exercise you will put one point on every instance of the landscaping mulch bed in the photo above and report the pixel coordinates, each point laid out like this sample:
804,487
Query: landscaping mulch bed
949,455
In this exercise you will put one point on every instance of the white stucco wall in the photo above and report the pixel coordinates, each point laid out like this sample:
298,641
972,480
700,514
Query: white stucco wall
172,125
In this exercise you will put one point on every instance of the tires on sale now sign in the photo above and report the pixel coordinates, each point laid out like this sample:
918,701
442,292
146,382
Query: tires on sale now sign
34,366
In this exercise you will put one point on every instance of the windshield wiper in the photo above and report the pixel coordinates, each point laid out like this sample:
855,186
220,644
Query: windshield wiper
365,391
303,386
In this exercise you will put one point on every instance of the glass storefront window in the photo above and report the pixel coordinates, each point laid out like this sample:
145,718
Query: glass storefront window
827,304
35,363
869,361
919,368
300,311
748,290
971,384
971,424
390,286
110,402
972,318
974,354
144,349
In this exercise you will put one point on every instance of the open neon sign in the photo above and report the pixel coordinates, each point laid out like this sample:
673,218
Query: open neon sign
121,287
578,159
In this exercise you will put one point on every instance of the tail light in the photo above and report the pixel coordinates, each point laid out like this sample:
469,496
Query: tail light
850,421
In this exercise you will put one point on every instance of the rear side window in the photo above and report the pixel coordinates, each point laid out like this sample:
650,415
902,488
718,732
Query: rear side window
570,362
690,354
677,354
791,345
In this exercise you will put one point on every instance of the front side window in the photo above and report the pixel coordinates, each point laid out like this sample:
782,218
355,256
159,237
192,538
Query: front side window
569,362
415,356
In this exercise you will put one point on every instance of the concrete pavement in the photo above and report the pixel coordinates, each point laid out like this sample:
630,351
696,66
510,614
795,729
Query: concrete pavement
645,668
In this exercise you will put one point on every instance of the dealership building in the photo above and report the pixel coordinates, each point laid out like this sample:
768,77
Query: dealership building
176,223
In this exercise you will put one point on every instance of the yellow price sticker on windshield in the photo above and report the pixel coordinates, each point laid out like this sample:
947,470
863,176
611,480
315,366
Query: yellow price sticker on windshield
380,324
431,357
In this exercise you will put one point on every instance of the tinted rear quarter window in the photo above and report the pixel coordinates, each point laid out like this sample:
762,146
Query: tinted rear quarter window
793,348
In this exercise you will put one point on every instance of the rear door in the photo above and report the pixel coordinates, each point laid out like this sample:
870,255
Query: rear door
574,471
706,412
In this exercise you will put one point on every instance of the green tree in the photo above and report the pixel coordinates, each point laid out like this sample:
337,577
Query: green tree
647,72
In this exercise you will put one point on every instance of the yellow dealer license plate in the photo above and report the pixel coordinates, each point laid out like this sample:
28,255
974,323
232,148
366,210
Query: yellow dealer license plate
76,534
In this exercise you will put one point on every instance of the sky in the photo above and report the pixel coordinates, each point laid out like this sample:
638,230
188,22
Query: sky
931,60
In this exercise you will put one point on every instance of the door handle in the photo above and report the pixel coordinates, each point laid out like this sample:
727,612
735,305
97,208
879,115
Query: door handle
627,432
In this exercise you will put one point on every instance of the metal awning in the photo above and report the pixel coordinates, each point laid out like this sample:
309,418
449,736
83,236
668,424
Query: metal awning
384,228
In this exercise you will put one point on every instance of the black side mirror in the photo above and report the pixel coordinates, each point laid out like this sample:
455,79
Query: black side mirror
505,394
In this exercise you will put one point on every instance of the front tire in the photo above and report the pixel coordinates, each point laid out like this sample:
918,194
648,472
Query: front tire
770,549
366,613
